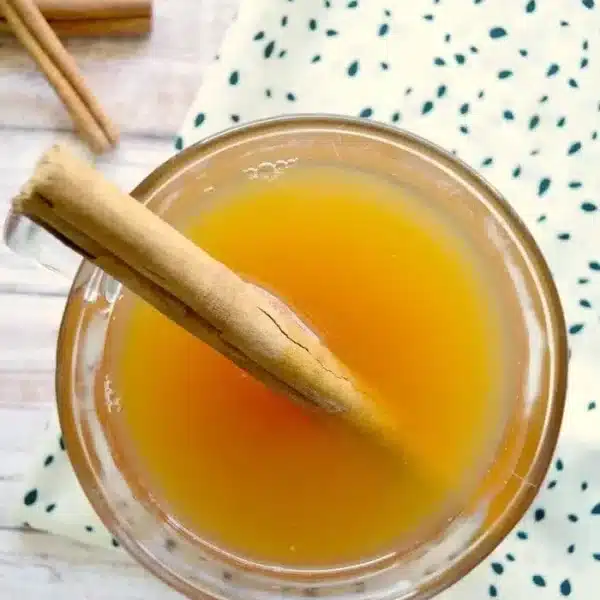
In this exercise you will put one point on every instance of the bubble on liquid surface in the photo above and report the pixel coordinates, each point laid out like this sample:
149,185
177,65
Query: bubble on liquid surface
269,171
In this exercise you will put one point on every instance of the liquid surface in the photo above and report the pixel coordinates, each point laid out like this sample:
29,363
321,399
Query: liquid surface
398,295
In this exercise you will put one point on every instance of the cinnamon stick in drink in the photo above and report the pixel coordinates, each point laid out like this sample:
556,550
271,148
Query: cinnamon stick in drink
108,227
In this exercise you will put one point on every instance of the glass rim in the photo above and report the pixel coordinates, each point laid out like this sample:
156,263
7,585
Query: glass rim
553,313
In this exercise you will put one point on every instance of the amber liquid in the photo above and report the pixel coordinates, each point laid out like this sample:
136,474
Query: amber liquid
397,293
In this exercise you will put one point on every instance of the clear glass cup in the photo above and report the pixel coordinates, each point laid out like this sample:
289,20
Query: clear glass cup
88,410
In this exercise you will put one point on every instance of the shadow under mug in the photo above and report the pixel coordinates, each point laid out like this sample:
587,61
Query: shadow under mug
259,150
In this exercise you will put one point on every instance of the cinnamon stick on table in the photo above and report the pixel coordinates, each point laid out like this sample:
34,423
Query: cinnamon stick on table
93,17
136,26
78,205
94,9
60,69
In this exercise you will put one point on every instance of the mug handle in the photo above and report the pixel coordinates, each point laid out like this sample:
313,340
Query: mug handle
28,240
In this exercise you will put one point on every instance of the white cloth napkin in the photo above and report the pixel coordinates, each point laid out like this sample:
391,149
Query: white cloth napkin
514,89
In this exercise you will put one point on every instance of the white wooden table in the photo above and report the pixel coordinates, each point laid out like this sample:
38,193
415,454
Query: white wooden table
146,87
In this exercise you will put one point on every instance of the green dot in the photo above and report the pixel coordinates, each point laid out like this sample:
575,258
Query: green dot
463,129
282,53
396,117
575,185
497,32
574,329
384,66
200,118
552,70
178,143
561,122
30,497
291,97
439,61
170,545
530,6
460,58
574,148
383,30
50,508
464,109
312,24
573,83
316,58
516,172
89,528
269,49
235,118
584,63
284,21
428,17
565,586
234,78
365,113
497,568
427,107
505,74
543,186
523,52
509,115
115,543
49,460
585,303
588,207
268,93
441,91
592,406
534,122
486,162
259,36
61,442
353,4
539,581
588,3
353,68
331,32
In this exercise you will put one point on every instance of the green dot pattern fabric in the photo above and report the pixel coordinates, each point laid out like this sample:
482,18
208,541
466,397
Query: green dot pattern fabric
513,89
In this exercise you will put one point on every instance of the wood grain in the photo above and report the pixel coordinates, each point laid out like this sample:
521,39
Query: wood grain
147,87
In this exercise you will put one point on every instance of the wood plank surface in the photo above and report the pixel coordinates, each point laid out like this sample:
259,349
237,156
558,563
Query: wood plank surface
146,85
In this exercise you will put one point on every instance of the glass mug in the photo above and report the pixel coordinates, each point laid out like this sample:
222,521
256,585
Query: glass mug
259,150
